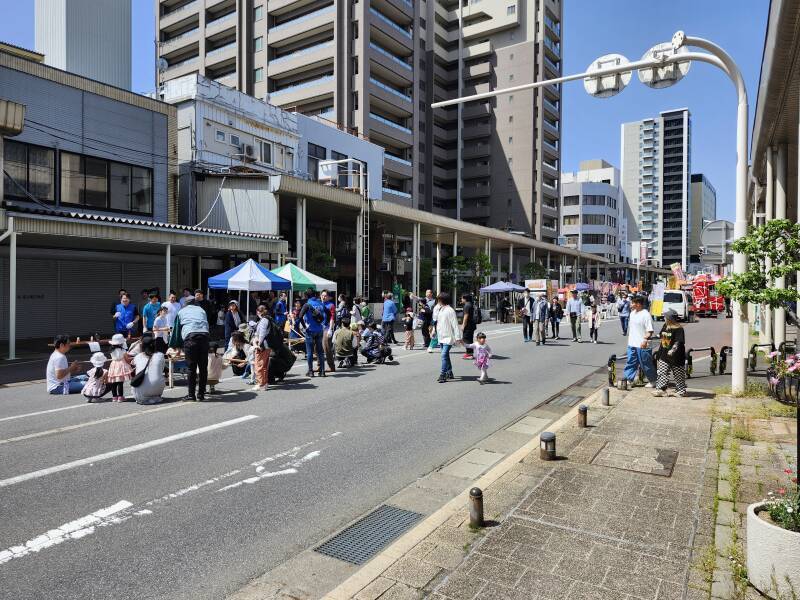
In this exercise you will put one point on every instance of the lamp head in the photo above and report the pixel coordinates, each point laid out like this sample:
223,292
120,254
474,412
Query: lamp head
678,39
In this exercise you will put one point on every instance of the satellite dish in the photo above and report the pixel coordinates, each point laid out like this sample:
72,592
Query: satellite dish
666,74
163,65
605,86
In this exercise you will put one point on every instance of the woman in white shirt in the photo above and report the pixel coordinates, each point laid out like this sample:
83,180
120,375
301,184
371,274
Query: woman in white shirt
448,333
150,360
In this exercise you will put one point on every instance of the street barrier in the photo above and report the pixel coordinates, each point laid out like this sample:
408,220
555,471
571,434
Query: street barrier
612,368
724,352
752,361
713,365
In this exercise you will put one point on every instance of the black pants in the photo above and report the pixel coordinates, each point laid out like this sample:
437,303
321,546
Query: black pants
468,336
426,334
116,389
554,325
527,328
195,348
388,332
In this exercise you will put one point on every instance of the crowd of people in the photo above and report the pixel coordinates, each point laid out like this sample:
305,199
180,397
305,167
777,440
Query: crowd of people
331,332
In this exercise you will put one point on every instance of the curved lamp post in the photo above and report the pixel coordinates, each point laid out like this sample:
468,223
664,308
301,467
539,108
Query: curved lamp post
654,70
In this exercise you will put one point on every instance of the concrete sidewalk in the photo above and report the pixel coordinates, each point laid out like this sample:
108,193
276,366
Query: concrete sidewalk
623,513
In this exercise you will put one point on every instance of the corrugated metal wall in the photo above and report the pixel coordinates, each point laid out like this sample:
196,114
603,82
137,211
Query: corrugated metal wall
245,204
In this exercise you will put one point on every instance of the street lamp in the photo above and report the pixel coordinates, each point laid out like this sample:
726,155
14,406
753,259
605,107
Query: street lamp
661,66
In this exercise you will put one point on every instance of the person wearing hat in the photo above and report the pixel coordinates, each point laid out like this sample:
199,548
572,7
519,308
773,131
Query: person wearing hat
96,386
671,356
408,327
120,370
640,332
233,319
575,310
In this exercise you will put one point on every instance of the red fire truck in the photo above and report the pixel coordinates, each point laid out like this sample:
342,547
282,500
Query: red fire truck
707,302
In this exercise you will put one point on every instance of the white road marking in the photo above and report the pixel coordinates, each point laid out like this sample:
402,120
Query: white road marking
114,453
44,412
289,468
73,530
88,423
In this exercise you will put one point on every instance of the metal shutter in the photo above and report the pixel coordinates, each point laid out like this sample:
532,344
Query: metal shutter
3,298
37,298
86,292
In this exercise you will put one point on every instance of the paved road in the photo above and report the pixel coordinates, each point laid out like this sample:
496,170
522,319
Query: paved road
193,500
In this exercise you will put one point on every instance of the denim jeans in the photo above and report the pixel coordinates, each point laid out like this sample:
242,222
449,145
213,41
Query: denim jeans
447,366
640,357
74,386
314,341
623,321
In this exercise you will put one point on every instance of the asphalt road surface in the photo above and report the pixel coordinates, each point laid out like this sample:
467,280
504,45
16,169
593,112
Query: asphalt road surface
187,500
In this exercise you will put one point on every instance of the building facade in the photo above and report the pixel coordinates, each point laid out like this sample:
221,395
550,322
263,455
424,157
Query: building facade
703,201
91,38
374,67
591,206
656,168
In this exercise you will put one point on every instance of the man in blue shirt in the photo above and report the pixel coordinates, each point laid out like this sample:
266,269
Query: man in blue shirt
279,311
126,316
575,311
150,311
328,326
388,318
313,315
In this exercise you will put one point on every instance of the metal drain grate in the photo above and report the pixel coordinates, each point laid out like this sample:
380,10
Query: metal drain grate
366,537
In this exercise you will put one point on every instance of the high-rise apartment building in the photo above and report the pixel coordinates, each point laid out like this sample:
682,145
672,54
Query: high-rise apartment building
656,168
591,209
375,66
91,38
703,202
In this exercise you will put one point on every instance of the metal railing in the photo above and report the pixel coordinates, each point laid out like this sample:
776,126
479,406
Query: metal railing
396,192
221,49
398,159
304,84
389,22
220,20
390,55
391,90
752,357
177,38
390,123
302,52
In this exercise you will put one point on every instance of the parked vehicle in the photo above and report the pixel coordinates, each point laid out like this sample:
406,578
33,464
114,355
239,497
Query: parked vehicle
679,301
707,302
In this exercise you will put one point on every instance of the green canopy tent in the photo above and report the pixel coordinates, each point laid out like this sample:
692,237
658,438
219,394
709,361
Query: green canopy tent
302,280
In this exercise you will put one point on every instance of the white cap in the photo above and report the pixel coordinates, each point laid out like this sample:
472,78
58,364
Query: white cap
98,359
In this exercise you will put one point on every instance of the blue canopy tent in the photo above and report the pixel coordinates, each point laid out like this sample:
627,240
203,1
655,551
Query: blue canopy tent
249,276
501,287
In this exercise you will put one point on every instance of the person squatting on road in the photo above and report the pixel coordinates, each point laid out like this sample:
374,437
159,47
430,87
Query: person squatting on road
62,376
449,334
575,310
640,331
483,354
671,355
525,307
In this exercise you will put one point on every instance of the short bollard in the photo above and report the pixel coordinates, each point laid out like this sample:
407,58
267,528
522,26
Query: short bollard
583,410
547,445
606,395
476,508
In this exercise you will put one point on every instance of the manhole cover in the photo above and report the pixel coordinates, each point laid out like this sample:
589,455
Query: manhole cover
366,537
632,457
566,400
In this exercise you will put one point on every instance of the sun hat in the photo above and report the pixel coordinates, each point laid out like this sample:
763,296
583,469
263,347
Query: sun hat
670,314
233,302
119,340
98,359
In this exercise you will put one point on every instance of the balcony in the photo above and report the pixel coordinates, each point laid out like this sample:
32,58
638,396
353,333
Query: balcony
553,47
301,60
480,70
229,80
553,66
302,92
174,17
220,54
475,150
476,172
399,167
392,57
443,174
476,191
221,23
548,146
550,127
476,211
445,134
181,68
550,168
395,195
475,51
180,41
302,27
551,108
285,6
476,111
472,131
391,24
383,130
391,90
480,88
554,27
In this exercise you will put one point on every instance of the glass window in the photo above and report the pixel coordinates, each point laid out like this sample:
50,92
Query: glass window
71,179
265,155
258,13
16,165
141,190
220,136
96,187
119,186
571,200
510,10
235,141
41,173
258,74
259,44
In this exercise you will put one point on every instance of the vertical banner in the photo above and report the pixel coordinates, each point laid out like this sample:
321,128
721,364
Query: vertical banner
657,300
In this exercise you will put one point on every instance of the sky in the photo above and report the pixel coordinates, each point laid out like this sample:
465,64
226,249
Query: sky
591,28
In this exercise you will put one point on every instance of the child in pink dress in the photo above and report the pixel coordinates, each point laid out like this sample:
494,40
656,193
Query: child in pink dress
482,353
120,370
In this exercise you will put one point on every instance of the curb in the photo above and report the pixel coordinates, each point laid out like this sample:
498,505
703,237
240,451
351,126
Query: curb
373,569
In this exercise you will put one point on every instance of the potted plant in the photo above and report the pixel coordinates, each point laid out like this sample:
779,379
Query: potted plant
773,542
783,376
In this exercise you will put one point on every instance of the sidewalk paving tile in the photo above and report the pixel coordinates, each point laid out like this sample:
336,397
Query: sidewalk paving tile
412,571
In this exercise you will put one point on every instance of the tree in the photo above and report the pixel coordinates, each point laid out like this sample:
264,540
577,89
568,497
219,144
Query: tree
777,240
318,260
534,270
481,267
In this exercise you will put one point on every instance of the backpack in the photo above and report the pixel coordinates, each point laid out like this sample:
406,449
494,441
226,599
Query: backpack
477,317
317,311
342,313
274,339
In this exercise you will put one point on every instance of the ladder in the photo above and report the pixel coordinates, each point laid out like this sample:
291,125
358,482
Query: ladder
364,233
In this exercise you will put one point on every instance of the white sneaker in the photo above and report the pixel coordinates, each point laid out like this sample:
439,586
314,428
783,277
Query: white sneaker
659,393
430,350
648,385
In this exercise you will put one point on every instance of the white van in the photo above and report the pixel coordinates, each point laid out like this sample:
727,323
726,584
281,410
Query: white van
680,302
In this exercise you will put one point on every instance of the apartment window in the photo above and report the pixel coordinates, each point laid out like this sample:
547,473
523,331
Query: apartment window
593,238
258,13
510,160
315,155
259,44
511,10
572,240
571,200
511,56
355,100
235,141
594,200
31,168
258,74
594,219
511,139
511,118
422,22
220,136
99,183
511,77
570,219
510,98
264,151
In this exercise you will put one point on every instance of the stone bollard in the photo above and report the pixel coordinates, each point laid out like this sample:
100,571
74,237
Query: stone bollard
606,395
547,445
583,411
476,508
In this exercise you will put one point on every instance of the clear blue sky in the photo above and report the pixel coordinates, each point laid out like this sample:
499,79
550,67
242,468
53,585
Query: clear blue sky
591,28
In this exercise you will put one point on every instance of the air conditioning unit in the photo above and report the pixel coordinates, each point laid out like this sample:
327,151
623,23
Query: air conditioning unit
385,266
248,152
